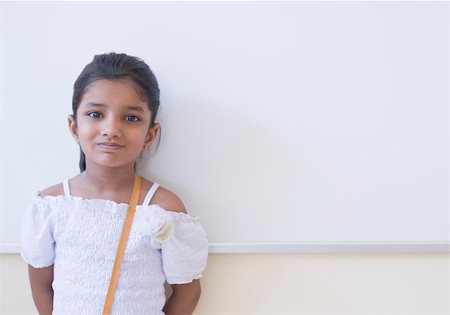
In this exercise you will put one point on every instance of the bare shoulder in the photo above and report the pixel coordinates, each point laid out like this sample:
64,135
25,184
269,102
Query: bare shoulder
54,190
166,199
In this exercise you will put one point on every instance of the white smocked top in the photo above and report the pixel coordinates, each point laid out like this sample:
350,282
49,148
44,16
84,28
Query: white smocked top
79,237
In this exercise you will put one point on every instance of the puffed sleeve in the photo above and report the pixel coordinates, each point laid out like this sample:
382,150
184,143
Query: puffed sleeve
37,242
185,253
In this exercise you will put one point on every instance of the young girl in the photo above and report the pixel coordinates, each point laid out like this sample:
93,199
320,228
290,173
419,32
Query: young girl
71,231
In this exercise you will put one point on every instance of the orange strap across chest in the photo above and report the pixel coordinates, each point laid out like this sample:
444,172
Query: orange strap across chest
122,245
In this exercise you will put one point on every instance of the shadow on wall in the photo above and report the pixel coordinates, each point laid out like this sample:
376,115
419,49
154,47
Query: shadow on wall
232,165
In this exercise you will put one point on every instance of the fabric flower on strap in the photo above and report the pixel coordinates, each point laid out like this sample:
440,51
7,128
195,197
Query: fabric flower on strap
159,227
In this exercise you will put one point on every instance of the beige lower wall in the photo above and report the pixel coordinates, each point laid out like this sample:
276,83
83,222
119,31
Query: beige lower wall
294,284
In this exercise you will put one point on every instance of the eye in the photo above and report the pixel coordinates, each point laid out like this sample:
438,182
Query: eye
94,114
132,118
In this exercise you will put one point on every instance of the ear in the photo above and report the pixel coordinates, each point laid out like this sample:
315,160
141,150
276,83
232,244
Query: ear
151,135
73,127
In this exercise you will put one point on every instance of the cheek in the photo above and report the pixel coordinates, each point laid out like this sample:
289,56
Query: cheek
86,131
137,136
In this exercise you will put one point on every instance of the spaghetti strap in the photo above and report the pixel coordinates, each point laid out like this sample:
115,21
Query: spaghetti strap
150,194
66,188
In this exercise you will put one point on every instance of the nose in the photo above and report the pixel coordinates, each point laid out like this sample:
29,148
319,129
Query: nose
111,128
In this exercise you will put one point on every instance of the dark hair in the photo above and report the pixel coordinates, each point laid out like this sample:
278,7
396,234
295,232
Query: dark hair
114,66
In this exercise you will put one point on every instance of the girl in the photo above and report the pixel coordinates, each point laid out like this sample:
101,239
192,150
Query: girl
71,231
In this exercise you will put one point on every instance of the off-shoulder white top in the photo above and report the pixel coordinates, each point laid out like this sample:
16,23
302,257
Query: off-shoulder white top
80,237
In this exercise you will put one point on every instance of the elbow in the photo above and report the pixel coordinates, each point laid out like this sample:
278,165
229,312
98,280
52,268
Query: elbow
192,292
198,293
187,294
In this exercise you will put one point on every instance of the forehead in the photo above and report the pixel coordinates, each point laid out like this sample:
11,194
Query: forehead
121,92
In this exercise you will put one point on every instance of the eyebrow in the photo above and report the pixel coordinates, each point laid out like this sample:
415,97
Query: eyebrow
129,107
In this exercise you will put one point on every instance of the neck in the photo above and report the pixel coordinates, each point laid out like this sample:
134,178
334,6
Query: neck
107,179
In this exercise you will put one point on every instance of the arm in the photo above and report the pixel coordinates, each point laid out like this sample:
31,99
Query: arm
184,298
41,288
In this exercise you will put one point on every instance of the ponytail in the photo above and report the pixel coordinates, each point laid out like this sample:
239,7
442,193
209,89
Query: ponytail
82,163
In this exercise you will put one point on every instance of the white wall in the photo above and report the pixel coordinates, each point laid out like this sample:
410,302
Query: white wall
307,284
289,121
258,283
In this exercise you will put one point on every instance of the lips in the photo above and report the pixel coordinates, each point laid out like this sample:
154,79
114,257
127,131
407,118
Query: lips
110,145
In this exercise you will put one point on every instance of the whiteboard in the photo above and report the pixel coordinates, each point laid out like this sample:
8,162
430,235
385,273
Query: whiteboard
282,123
